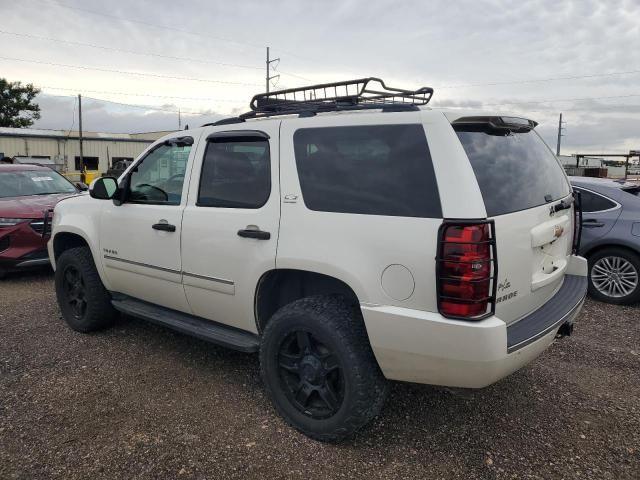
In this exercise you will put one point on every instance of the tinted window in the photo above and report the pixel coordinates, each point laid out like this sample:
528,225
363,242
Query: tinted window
235,174
594,203
374,170
515,171
159,177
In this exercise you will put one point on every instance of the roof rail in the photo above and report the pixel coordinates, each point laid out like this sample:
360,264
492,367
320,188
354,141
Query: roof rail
360,94
224,121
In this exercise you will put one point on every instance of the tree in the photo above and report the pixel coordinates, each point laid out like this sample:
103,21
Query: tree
17,108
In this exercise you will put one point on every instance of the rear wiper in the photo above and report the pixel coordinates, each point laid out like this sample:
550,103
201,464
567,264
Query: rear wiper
563,205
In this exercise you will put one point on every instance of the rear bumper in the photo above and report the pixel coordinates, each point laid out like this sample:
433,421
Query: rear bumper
560,309
424,347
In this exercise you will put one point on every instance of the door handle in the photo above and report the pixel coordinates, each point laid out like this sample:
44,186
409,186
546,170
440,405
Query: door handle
592,223
163,226
257,234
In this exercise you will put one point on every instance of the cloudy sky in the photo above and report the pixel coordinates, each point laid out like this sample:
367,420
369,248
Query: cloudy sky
206,58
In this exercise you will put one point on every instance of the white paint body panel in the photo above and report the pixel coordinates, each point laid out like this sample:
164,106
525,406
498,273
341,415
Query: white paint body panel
228,267
424,347
208,270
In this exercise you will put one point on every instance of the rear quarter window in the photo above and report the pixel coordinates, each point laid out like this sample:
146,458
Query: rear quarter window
371,170
515,171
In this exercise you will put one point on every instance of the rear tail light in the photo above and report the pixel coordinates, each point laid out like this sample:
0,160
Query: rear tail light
467,269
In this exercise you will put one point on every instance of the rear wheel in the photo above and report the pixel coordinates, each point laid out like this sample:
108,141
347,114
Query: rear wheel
614,276
319,368
83,300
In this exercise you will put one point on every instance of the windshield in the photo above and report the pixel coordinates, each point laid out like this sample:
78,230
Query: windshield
33,182
515,171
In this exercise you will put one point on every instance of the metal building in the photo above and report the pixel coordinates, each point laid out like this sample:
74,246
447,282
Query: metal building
100,150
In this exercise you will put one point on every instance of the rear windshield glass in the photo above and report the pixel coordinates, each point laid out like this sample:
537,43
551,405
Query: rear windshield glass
515,171
372,170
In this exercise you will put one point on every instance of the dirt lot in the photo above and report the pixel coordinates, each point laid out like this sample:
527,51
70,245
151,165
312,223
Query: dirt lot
141,402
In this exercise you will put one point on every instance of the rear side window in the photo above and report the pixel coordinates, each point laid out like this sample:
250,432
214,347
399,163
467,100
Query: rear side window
515,171
371,170
235,173
591,202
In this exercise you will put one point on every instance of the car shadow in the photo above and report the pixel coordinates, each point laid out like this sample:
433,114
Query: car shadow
413,413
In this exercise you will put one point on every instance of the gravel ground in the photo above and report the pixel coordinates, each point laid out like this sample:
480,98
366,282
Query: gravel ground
138,401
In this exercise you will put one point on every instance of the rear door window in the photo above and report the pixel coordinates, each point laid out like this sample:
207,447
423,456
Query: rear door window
235,173
371,170
515,171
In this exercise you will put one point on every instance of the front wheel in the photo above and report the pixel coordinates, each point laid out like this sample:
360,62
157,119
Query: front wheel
83,300
319,369
614,276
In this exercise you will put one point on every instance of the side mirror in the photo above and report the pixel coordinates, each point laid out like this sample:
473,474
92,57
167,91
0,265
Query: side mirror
83,187
103,188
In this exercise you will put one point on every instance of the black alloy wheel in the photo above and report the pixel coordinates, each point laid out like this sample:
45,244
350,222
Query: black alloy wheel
311,375
319,369
75,291
84,302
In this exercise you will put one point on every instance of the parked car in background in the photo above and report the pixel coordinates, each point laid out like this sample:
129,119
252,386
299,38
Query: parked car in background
611,237
28,194
42,161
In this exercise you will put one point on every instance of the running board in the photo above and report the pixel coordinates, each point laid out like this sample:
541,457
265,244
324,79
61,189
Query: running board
207,330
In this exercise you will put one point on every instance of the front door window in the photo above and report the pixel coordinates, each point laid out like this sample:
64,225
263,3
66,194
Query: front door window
159,178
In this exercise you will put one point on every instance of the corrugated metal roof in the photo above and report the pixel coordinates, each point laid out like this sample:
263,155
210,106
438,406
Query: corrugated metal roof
32,132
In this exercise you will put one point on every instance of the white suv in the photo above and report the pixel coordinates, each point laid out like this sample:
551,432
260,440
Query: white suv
346,232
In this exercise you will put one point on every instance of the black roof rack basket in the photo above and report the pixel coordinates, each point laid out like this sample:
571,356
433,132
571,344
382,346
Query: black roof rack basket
360,94
368,92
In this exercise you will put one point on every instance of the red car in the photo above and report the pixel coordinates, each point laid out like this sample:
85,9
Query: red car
28,194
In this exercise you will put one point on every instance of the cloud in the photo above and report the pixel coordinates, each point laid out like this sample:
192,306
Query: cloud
62,113
409,44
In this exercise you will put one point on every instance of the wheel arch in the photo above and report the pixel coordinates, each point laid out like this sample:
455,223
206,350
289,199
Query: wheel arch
279,287
65,240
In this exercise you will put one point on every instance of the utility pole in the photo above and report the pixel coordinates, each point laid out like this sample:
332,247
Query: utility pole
270,77
80,131
179,120
560,135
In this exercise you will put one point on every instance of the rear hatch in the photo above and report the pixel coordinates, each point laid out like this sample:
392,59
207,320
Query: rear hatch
528,196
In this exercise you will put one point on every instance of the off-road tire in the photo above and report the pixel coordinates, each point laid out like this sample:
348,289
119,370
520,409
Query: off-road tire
339,325
98,313
629,256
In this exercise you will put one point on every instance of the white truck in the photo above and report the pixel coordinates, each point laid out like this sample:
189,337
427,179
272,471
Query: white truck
348,233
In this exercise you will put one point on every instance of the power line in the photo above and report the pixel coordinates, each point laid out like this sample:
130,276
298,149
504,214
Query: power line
133,105
137,94
537,80
102,47
149,107
149,24
295,76
168,27
125,72
560,100
73,116
148,54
